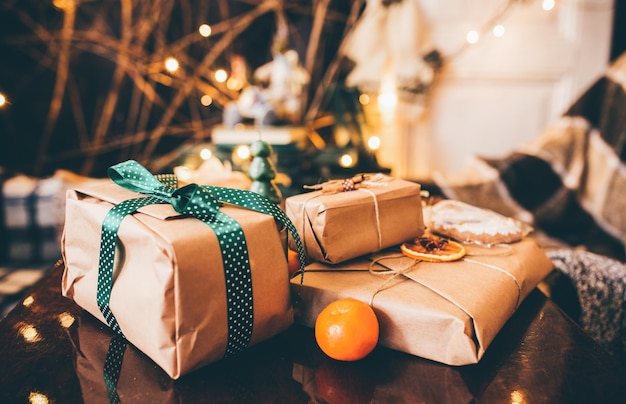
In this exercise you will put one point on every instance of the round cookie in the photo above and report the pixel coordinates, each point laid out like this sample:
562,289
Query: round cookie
467,223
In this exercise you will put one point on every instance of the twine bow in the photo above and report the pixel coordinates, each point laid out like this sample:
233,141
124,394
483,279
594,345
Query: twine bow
203,203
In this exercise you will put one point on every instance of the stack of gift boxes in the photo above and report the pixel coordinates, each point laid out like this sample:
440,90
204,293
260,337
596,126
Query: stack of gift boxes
186,287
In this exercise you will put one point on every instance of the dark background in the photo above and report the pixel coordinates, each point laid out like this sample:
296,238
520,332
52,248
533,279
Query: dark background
27,76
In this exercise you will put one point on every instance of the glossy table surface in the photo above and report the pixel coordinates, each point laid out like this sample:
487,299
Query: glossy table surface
51,351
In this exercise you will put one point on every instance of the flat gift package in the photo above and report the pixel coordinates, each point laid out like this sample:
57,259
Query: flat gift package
173,290
377,213
448,312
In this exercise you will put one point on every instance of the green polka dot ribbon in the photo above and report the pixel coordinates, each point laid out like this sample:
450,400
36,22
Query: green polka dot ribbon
113,367
203,203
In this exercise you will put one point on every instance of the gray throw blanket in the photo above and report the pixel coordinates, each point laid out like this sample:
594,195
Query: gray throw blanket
600,284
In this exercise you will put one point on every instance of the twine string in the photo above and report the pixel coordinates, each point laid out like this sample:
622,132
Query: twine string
394,273
377,216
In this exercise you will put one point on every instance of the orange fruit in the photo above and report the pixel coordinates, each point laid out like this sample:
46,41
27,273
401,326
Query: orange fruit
433,249
347,329
293,262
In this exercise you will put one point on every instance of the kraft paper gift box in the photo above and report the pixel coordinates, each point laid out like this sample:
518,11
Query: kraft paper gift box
446,312
338,226
169,295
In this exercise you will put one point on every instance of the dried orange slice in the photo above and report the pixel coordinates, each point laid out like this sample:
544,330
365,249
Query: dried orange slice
433,249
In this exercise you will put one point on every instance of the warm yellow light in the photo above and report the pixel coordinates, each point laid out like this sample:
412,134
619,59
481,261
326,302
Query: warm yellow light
387,100
66,319
518,397
364,99
64,4
498,30
3,100
243,152
472,37
171,64
204,30
234,84
205,154
548,4
346,161
373,142
37,398
206,100
30,333
221,75
183,173
28,301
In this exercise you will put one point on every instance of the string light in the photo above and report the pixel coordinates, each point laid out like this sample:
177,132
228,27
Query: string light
205,154
205,30
3,100
346,161
234,84
472,37
373,143
243,152
221,75
171,64
206,100
498,31
548,4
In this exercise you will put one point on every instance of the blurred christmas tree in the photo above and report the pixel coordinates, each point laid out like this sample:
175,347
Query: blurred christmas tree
91,83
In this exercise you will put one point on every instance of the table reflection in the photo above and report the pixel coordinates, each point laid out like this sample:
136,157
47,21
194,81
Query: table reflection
53,351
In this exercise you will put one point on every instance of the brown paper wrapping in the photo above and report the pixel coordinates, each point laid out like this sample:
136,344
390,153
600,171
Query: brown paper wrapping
336,227
446,312
169,294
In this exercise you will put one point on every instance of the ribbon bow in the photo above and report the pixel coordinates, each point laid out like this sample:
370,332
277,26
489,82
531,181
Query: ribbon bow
203,203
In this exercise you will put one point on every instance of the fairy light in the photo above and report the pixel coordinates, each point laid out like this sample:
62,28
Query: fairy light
498,31
3,100
364,99
243,152
171,64
205,30
548,4
346,161
472,37
234,83
183,173
205,154
374,143
206,100
221,75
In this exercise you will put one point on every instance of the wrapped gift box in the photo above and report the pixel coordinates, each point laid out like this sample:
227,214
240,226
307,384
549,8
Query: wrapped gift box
446,312
169,293
339,226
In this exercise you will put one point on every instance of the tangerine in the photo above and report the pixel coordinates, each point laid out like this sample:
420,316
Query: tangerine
347,329
293,262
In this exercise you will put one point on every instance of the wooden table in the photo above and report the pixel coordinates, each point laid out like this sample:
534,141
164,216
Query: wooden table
50,348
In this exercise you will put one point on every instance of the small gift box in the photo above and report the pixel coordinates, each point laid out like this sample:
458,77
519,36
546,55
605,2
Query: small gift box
447,312
186,282
338,223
